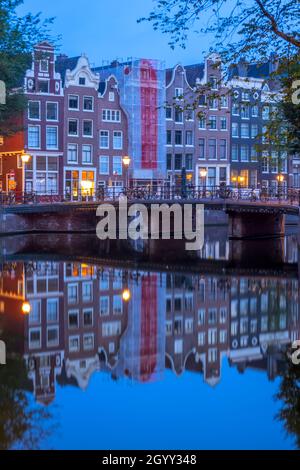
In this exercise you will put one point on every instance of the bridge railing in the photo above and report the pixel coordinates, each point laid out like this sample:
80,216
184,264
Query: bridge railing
146,193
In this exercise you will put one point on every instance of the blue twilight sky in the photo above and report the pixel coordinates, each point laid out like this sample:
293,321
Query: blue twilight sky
105,30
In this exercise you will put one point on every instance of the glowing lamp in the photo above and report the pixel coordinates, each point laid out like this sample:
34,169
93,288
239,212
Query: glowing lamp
86,185
126,295
25,157
126,161
203,173
26,308
280,178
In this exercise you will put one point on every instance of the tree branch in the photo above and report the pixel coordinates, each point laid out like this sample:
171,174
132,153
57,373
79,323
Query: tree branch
274,26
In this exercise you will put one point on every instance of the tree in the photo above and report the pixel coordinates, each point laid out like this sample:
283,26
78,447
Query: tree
249,29
18,34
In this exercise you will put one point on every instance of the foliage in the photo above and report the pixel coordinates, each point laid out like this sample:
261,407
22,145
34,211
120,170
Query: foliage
17,37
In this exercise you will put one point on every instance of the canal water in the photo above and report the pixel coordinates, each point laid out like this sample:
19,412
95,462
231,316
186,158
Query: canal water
114,347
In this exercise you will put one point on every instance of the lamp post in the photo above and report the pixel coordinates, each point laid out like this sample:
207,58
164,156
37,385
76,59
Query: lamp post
280,179
203,175
126,163
25,158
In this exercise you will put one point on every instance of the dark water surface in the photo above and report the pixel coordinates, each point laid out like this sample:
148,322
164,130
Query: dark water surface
129,347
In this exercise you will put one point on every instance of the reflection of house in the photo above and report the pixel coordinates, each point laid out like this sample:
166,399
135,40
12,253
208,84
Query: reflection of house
264,319
80,323
197,318
45,342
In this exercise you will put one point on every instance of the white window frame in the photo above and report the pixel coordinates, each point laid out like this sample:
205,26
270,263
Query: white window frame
57,109
57,144
87,136
78,105
34,119
101,146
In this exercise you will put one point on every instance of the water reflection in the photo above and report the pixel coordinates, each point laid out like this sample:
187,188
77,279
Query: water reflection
103,318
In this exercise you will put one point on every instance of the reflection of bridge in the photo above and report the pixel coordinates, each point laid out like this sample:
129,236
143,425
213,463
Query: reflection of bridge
247,217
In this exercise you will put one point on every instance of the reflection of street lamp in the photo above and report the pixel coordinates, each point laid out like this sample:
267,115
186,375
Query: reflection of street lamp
203,174
126,163
26,308
126,295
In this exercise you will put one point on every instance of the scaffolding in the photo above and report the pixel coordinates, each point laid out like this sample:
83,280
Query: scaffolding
142,91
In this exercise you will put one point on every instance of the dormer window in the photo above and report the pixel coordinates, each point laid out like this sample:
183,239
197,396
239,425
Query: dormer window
44,65
82,81
43,86
214,83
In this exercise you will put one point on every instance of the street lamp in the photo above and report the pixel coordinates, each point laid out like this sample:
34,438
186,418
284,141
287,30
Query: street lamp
126,163
280,179
25,157
203,174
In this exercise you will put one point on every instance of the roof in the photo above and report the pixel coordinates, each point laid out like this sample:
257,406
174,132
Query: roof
193,72
64,63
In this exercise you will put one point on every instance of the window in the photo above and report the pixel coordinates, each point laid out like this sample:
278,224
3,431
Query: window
169,112
213,103
87,128
72,293
104,139
223,149
111,115
202,100
118,140
52,310
265,164
178,161
72,153
52,137
104,165
34,338
53,336
178,346
189,161
73,127
212,149
52,111
266,113
104,306
74,344
245,111
88,342
201,338
224,101
212,336
178,137
34,137
117,305
178,92
46,174
35,313
111,96
245,96
213,122
235,129
87,154
34,111
255,111
44,65
178,116
245,130
189,116
223,123
235,153
73,316
253,154
87,291
88,317
111,329
244,153
73,102
169,161
211,177
202,148
88,103
202,122
169,137
235,109
214,83
81,81
254,131
189,138
117,166
43,86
